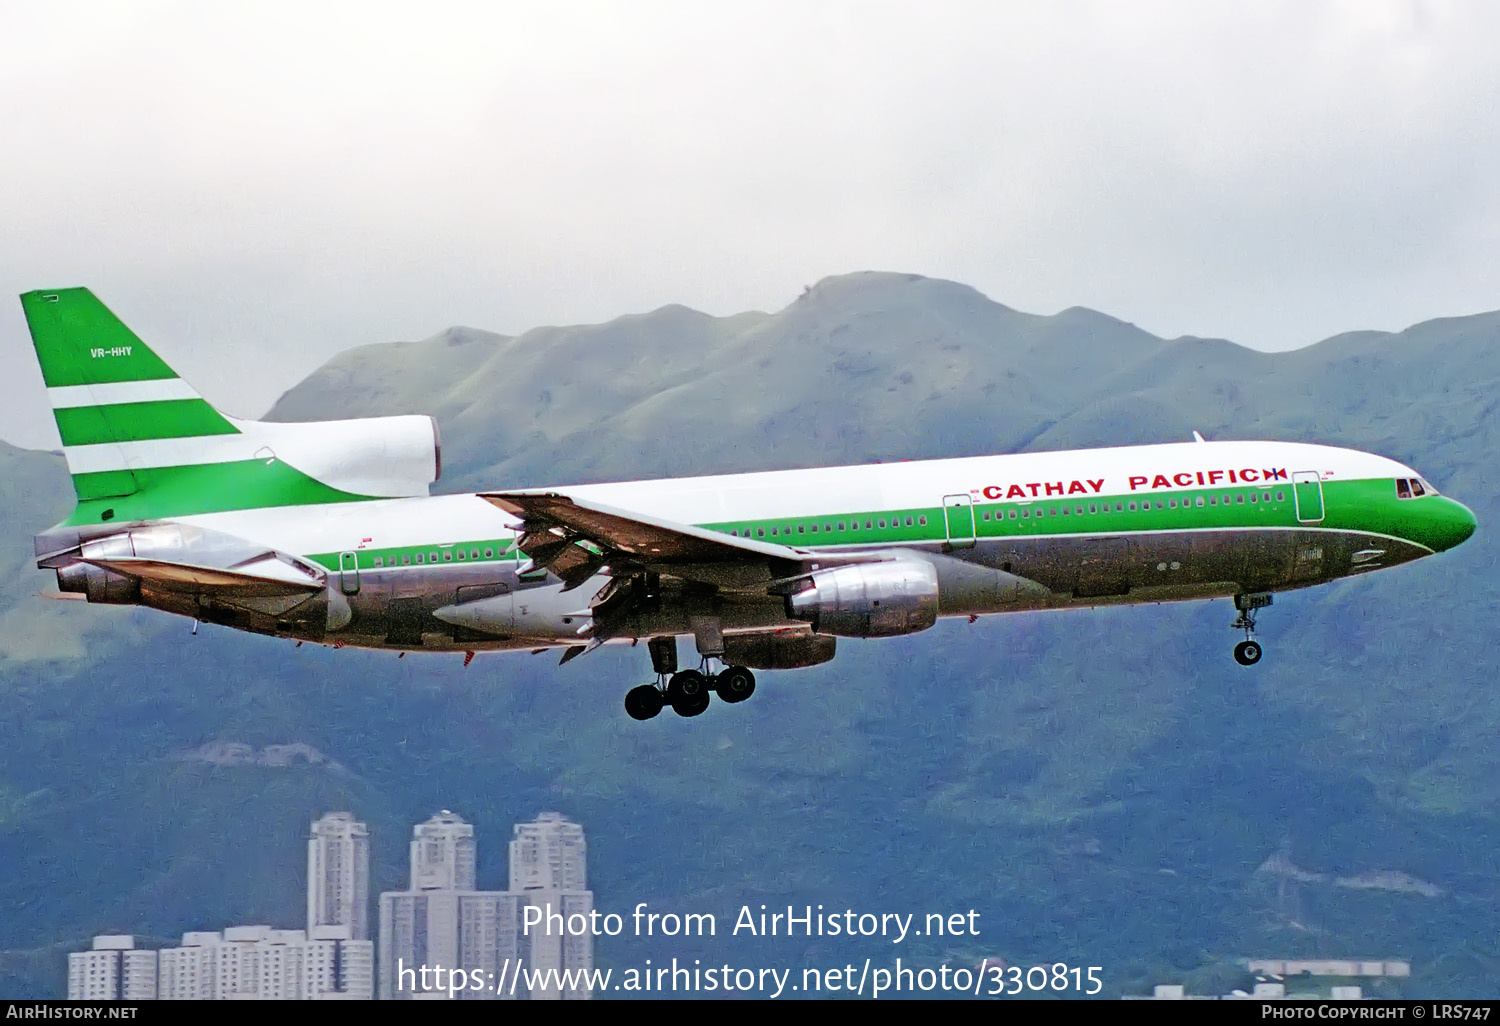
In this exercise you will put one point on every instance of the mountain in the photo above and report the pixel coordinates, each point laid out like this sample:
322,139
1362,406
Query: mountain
1105,787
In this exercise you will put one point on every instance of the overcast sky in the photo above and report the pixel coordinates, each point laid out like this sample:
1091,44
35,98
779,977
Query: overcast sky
256,187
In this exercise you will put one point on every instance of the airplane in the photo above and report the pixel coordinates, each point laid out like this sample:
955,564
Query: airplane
325,532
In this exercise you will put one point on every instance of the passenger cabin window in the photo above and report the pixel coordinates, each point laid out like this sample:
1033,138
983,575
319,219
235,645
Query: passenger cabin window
489,553
379,561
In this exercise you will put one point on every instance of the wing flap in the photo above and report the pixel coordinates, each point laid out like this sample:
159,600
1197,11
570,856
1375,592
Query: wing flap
575,538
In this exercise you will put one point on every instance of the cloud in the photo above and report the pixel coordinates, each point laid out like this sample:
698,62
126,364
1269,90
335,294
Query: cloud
255,188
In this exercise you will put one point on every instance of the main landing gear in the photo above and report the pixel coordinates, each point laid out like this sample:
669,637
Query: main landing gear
1248,652
686,691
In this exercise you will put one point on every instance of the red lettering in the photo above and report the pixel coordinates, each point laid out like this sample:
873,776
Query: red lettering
1232,478
1016,492
1160,481
1249,474
1033,486
1179,478
1215,476
993,491
1098,485
1136,482
1200,477
1054,488
1077,488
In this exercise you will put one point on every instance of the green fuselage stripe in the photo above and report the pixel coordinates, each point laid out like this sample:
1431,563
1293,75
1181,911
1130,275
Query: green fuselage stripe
135,422
209,488
1369,506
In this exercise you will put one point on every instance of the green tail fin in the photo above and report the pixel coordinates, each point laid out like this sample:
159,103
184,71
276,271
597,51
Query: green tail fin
106,387
141,443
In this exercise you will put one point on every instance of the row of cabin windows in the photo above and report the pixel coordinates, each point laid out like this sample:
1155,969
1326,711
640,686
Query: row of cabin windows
1025,513
447,556
830,526
1133,506
1404,489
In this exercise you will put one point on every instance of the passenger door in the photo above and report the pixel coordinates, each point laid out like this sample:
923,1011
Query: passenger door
958,518
349,572
1307,496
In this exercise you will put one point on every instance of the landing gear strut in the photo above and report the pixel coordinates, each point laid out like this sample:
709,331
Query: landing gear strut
686,691
1248,652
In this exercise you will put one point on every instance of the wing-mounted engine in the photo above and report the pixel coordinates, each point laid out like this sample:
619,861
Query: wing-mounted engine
868,600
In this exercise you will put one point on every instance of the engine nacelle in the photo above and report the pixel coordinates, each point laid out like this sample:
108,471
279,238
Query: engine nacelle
382,456
98,584
778,651
869,600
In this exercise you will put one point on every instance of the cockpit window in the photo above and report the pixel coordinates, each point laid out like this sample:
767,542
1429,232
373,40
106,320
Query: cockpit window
1403,488
1416,487
1413,488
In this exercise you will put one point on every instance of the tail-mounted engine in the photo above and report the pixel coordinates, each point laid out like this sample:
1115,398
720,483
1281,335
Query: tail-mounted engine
868,600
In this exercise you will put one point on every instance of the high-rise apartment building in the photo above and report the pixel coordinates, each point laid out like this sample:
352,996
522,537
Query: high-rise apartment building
442,854
549,869
113,970
443,922
548,854
476,931
262,963
338,875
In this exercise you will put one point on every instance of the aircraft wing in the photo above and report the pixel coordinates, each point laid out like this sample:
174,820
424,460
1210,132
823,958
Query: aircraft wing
575,538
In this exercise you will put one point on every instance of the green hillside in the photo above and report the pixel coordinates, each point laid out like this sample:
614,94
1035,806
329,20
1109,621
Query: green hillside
1106,788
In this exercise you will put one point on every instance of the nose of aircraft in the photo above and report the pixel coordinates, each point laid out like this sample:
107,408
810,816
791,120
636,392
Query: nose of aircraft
1451,523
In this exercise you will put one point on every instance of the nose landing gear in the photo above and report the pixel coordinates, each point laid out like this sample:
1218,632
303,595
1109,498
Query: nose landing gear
1248,652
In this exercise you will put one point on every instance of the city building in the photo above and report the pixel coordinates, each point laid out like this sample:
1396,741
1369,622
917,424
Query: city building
442,854
442,921
338,875
548,854
263,963
549,867
114,969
